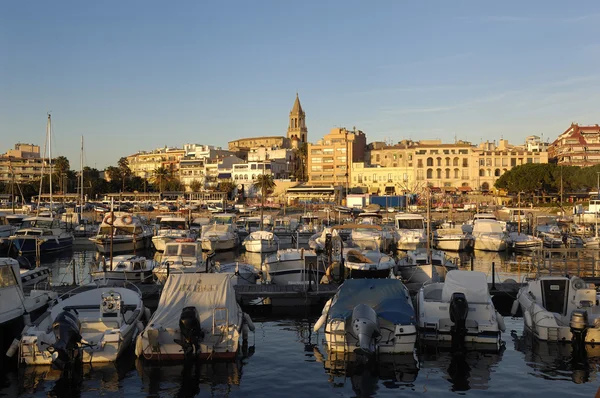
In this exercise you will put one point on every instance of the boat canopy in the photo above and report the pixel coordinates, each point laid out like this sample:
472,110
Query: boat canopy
211,294
472,283
386,296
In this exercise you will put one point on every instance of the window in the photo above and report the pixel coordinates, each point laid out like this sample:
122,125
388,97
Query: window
438,161
420,163
455,162
465,162
497,173
481,173
456,173
419,175
438,173
482,162
448,172
488,162
429,162
504,162
317,160
447,161
429,173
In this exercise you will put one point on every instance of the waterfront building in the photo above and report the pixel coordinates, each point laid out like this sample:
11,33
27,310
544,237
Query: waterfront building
577,146
329,159
143,163
23,162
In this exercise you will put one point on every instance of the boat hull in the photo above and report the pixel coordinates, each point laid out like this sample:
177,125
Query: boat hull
27,244
453,244
261,246
122,245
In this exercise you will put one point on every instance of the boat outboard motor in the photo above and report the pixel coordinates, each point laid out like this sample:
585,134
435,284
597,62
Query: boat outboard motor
191,333
66,328
459,310
579,326
365,327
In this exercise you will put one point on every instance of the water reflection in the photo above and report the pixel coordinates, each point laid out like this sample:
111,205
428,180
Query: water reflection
558,361
470,370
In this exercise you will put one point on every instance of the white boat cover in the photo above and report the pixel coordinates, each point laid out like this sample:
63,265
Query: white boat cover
203,291
261,235
488,226
472,283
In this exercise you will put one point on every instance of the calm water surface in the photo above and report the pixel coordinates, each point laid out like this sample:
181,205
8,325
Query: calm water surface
285,357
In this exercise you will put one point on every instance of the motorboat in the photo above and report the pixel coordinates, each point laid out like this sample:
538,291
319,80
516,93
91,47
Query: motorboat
293,267
367,263
489,236
182,257
241,273
459,312
309,225
6,230
424,266
467,227
411,229
122,232
520,241
197,317
560,308
30,274
125,267
197,223
369,317
453,239
41,235
318,241
17,308
92,326
169,229
217,237
261,242
286,225
384,237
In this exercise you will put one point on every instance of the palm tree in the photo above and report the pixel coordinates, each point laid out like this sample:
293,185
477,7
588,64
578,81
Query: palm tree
161,174
195,186
123,164
264,183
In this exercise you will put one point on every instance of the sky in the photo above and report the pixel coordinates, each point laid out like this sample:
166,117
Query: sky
136,75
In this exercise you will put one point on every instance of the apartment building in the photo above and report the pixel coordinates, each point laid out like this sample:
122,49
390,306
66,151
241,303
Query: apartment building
24,162
143,164
330,158
577,146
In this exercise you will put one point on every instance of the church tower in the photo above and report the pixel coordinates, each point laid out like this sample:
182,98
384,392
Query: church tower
297,128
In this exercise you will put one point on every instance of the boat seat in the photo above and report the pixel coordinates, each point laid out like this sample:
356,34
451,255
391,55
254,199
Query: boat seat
434,295
93,330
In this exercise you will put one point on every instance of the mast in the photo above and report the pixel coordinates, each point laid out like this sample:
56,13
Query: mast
81,182
50,158
262,198
428,224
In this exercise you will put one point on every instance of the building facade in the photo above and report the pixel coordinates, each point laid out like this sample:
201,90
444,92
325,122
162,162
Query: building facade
23,163
577,146
143,164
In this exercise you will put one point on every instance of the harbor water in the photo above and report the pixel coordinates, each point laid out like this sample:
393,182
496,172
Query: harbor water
286,357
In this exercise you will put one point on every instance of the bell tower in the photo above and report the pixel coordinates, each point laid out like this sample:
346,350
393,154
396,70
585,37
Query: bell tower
297,127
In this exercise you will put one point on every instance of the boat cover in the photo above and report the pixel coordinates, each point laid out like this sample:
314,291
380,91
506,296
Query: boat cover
472,283
386,296
203,291
261,235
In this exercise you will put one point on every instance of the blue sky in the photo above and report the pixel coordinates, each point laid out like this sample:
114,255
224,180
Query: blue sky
136,75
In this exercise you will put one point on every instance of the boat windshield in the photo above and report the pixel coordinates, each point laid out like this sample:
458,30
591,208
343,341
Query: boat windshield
410,224
223,219
188,250
179,225
37,223
7,277
129,230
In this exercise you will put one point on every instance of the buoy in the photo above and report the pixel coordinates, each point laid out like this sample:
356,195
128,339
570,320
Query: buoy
514,308
249,322
12,350
500,320
323,316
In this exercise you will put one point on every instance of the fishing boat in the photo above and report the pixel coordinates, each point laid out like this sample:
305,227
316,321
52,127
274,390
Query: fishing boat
125,267
560,308
369,317
169,229
182,257
122,232
41,235
292,267
197,317
88,326
459,312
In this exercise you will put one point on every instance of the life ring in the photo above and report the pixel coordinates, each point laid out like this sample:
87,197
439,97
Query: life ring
127,219
109,219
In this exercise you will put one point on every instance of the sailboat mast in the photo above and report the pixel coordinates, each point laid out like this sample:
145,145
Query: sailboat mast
81,180
50,158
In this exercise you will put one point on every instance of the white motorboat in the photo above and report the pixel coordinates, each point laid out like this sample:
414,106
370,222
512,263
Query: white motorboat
459,311
41,235
309,225
453,239
128,233
241,273
92,326
293,267
6,230
197,223
489,236
411,229
124,268
367,263
217,237
169,229
371,317
366,238
560,308
181,257
317,241
521,241
197,317
467,227
261,242
421,266
17,309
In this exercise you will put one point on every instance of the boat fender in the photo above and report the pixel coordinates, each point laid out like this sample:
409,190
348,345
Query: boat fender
323,316
12,350
147,314
140,326
245,331
249,322
500,320
514,308
527,319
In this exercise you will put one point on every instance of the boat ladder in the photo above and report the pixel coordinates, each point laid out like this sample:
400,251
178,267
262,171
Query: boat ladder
552,334
220,326
430,333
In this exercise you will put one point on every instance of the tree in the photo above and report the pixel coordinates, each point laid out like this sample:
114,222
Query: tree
60,167
195,186
123,164
264,183
160,175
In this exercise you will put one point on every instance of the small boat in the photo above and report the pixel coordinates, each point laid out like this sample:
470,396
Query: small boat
124,268
128,233
453,239
521,241
241,273
197,317
459,312
169,229
183,256
365,238
41,235
419,265
560,308
367,263
17,308
293,267
411,231
489,236
261,242
92,326
6,230
318,241
217,237
467,227
369,317
30,274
